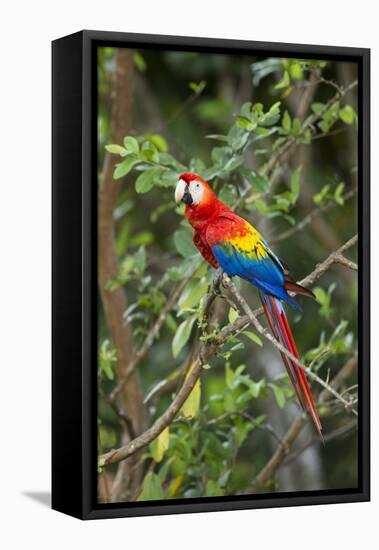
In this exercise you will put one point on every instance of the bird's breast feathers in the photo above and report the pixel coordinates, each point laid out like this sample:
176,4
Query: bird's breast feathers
236,234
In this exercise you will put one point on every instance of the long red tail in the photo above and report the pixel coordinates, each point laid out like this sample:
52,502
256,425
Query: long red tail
281,330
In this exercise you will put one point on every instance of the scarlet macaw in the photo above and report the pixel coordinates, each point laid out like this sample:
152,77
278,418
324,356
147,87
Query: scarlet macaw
228,241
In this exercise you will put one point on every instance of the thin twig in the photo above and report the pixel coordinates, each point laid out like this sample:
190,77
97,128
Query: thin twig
124,418
339,259
308,123
309,218
149,340
279,455
335,434
264,332
207,349
334,257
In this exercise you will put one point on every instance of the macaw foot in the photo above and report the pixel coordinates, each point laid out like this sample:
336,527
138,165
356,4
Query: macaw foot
222,279
225,279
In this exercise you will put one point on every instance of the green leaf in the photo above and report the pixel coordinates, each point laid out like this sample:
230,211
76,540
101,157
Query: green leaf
131,145
212,489
317,107
245,124
237,138
166,178
184,243
278,142
151,488
338,193
192,293
256,387
184,268
149,152
245,110
124,167
307,136
197,87
182,335
140,260
295,185
324,126
324,298
232,315
283,83
296,71
107,359
145,180
347,114
229,376
126,266
262,69
258,182
329,117
318,198
139,62
116,149
258,109
159,142
286,122
275,107
159,446
254,337
168,160
228,194
191,405
100,465
279,395
296,126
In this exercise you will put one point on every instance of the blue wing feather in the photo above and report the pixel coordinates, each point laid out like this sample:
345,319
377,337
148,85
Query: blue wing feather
265,272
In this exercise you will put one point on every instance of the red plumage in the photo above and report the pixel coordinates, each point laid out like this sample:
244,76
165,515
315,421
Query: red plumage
216,224
280,328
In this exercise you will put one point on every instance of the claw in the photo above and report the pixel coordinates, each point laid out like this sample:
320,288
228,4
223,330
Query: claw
225,279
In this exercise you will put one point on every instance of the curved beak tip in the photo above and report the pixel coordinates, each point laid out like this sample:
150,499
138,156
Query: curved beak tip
179,191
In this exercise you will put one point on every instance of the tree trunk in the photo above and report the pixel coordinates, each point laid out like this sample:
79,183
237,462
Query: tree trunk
115,302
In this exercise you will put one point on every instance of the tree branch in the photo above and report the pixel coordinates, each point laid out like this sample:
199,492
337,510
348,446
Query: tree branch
208,349
309,218
114,302
335,434
269,470
334,257
243,321
149,340
194,372
308,123
264,332
308,95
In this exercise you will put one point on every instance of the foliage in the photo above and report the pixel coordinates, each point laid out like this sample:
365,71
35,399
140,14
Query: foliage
221,436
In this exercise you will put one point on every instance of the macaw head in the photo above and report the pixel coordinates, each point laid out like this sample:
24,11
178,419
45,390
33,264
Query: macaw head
193,191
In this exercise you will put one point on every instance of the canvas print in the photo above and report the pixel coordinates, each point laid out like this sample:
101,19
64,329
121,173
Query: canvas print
227,275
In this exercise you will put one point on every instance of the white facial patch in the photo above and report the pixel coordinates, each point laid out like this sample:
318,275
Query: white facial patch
179,190
197,190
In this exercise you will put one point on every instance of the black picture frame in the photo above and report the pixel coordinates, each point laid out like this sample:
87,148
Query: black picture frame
74,274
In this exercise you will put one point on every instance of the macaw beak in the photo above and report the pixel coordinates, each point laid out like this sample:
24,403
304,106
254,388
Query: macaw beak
182,193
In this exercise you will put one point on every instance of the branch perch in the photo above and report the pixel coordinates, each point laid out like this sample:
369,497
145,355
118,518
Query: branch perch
264,332
149,340
269,470
208,348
